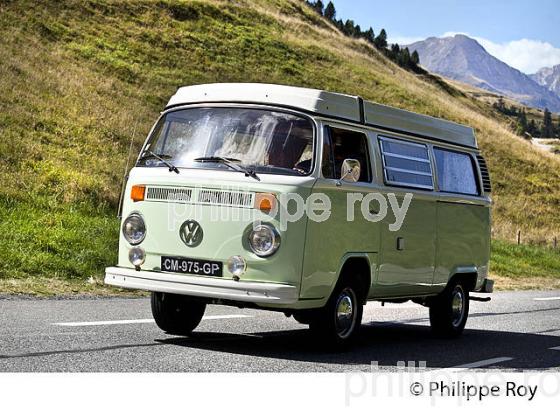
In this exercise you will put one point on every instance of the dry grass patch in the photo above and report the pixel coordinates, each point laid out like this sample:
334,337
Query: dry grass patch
49,287
525,283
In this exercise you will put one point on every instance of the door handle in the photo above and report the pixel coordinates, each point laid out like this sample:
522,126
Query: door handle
400,244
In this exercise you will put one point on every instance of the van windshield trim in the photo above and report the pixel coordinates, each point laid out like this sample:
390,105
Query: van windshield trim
260,168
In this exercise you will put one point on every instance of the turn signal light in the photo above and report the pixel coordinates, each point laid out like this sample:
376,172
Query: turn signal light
265,202
137,192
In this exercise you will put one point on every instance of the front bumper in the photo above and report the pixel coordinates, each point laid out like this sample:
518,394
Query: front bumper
214,288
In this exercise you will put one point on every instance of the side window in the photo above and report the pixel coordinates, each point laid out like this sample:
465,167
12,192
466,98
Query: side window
406,163
456,172
346,144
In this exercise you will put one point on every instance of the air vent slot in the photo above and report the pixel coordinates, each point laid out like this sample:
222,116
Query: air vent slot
231,198
169,194
486,186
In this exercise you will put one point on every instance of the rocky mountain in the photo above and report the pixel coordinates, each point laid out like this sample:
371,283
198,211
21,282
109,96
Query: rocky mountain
464,59
549,77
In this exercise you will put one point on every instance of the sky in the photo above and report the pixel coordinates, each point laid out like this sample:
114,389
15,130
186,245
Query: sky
524,34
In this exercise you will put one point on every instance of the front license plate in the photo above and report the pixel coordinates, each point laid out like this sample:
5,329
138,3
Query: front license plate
192,266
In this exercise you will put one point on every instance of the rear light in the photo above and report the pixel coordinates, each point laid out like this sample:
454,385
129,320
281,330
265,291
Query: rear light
137,192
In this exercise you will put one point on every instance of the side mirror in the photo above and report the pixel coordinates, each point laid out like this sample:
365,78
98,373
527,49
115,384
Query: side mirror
350,171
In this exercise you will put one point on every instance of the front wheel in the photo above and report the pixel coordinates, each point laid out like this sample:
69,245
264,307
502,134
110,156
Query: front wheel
338,322
176,314
449,311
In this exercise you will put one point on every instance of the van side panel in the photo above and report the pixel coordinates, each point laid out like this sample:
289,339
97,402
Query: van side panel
328,243
410,269
463,240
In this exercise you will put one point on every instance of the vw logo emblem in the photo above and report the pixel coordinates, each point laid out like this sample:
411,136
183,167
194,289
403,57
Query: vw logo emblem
191,233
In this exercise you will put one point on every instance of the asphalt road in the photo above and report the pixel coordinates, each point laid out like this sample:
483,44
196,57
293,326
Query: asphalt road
516,330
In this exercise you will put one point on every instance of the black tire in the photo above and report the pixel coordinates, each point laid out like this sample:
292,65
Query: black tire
176,314
303,316
332,324
449,311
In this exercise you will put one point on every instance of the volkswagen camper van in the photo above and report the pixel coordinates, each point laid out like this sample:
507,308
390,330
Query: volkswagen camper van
306,202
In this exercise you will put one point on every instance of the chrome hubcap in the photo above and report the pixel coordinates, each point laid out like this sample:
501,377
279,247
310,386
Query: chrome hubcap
345,313
457,306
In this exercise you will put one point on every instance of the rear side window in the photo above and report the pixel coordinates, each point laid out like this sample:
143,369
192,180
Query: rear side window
406,163
345,144
456,173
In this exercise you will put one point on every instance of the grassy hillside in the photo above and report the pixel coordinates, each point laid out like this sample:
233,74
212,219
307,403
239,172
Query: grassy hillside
78,78
535,114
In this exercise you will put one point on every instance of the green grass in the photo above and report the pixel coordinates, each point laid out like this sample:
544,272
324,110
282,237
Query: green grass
64,241
77,79
515,261
524,266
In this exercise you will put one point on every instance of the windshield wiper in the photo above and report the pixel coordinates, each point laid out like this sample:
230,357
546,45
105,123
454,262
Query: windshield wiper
231,163
150,154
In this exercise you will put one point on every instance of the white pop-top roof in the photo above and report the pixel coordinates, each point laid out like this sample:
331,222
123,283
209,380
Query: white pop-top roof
328,104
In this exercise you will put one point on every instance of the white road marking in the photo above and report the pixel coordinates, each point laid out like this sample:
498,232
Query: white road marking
483,363
550,298
224,317
104,322
132,321
554,348
474,365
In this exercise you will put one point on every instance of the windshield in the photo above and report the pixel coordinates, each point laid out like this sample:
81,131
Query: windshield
261,140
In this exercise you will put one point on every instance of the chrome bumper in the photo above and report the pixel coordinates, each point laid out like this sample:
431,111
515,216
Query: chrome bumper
215,288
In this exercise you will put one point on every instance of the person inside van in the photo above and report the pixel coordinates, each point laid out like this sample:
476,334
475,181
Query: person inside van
292,148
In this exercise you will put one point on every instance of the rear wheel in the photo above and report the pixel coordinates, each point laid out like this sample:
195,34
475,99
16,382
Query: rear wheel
449,311
176,314
339,321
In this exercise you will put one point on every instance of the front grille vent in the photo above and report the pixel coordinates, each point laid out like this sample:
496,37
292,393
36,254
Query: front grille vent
240,199
204,196
169,194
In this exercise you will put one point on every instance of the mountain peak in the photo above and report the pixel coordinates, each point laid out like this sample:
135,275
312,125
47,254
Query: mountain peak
458,40
464,37
549,77
462,58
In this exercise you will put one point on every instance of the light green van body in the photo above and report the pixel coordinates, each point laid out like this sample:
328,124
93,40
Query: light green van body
443,234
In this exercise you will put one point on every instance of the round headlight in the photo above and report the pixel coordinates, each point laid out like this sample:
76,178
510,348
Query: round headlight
136,256
134,229
264,240
236,265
